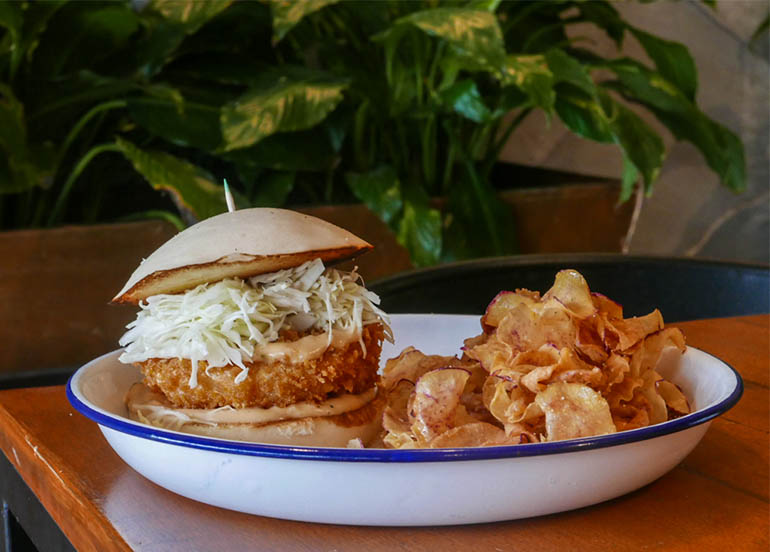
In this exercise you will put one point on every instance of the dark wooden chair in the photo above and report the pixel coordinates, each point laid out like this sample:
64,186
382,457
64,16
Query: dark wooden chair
683,289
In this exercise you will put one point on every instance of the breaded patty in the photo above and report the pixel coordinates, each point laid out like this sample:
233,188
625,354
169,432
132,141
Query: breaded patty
337,370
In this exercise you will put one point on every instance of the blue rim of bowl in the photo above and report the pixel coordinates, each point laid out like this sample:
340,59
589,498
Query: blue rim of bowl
136,429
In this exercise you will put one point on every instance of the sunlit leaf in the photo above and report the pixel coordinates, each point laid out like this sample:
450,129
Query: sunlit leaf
191,14
168,23
473,34
531,74
286,106
287,13
192,188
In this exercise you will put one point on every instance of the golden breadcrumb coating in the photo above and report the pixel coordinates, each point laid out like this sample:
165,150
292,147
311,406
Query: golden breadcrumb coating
337,370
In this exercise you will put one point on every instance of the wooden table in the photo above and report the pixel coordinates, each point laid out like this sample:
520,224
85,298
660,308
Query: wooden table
717,499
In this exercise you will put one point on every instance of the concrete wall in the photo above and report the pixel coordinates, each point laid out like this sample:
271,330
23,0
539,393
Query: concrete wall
689,212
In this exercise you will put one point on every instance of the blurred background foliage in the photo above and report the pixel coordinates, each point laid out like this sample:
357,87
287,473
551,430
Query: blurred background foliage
402,105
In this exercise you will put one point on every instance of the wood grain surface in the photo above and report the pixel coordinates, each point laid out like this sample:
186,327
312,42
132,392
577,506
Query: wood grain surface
717,499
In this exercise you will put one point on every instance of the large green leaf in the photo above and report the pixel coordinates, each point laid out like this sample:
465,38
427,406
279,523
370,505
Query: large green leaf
464,98
603,119
473,34
307,150
182,121
642,145
190,15
27,165
379,190
193,188
168,23
82,34
531,74
721,148
287,13
605,16
419,228
565,68
672,60
12,19
286,106
628,180
271,190
25,33
583,115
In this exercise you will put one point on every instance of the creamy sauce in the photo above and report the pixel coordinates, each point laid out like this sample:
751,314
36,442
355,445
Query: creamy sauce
304,349
154,406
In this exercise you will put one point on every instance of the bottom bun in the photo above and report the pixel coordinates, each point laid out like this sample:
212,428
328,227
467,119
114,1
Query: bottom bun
337,430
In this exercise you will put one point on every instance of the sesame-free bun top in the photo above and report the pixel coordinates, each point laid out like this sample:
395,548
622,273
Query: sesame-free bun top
240,244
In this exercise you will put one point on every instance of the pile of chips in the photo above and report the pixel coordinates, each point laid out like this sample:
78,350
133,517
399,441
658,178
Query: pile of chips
561,366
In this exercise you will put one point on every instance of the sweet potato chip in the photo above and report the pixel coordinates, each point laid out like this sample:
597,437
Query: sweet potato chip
434,403
573,410
477,434
571,291
673,396
501,305
558,366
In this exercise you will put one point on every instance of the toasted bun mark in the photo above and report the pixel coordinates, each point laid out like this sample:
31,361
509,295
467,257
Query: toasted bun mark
238,244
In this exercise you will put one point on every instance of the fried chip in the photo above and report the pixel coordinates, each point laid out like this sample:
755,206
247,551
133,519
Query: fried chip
434,404
475,434
570,290
574,410
558,366
673,396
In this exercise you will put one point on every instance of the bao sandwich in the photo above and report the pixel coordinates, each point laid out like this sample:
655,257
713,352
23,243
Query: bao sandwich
243,333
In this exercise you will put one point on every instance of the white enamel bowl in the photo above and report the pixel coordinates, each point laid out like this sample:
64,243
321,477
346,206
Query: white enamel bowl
407,487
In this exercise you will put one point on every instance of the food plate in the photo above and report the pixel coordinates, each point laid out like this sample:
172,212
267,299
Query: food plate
407,487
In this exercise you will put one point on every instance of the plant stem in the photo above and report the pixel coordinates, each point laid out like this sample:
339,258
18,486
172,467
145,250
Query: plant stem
428,139
488,216
449,164
524,12
115,104
473,175
494,153
547,28
434,65
76,171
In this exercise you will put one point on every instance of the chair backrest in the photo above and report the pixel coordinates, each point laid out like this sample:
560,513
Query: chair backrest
683,289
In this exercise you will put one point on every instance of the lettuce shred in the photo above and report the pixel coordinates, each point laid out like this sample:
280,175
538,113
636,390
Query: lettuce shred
223,322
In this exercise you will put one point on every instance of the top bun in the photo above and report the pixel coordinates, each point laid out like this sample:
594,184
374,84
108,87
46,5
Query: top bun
238,244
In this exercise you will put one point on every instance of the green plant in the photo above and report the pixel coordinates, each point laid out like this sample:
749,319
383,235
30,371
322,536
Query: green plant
393,104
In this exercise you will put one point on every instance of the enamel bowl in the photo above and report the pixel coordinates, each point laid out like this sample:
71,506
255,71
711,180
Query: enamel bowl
407,487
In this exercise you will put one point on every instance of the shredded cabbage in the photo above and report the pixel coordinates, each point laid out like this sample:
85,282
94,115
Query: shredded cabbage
223,322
